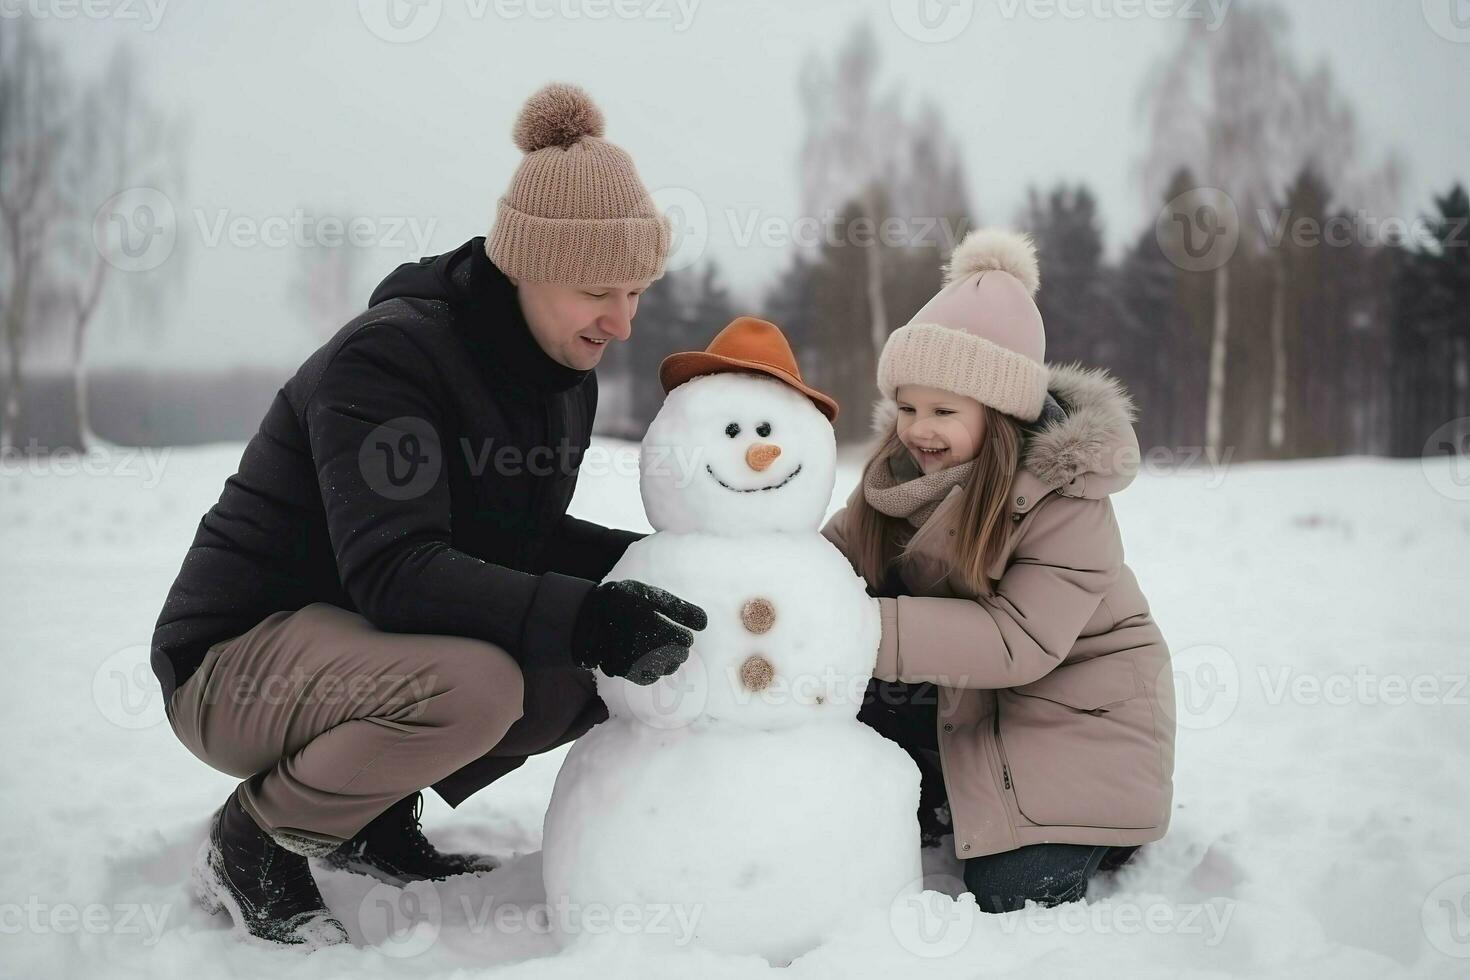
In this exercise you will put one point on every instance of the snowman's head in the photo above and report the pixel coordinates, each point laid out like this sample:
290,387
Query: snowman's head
737,453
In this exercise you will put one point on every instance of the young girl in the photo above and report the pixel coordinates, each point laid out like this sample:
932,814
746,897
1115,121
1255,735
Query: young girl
1019,663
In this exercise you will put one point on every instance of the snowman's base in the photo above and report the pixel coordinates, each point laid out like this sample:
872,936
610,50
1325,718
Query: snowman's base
730,839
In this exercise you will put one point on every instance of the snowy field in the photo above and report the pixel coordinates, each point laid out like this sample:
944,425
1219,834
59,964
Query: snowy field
1317,612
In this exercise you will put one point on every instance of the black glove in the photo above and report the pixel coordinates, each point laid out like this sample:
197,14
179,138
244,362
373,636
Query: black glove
634,630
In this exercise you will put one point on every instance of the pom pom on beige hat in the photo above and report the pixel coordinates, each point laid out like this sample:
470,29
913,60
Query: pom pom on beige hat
981,335
576,211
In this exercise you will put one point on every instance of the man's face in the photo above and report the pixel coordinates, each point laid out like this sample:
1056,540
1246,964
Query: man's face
574,324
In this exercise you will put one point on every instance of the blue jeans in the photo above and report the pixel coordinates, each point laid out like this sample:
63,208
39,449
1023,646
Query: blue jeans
1046,873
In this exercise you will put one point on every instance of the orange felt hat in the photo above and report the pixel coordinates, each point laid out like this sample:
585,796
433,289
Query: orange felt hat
747,344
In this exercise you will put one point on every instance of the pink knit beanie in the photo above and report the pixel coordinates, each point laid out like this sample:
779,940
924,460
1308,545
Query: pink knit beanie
981,335
576,211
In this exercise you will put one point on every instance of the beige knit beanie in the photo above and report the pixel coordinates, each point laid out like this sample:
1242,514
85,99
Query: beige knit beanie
981,335
576,211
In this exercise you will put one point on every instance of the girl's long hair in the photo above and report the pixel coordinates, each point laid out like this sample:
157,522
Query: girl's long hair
980,533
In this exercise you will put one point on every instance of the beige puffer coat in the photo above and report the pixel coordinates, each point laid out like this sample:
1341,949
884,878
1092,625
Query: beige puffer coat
1056,705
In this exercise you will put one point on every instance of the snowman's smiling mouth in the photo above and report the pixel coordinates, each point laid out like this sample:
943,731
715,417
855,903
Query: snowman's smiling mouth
774,486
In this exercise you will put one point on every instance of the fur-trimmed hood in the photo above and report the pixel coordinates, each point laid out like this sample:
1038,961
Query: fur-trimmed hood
1083,441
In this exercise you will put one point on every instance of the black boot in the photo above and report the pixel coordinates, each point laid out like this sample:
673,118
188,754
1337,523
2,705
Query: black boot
393,848
1116,858
268,890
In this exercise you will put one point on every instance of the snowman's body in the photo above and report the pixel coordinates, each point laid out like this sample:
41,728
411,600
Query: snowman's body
739,801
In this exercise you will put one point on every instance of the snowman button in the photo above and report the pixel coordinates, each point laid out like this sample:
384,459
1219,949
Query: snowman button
757,673
758,615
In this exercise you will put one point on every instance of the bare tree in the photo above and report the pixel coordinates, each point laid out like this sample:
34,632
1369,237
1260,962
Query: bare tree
119,141
864,147
1232,106
328,285
66,149
33,100
847,154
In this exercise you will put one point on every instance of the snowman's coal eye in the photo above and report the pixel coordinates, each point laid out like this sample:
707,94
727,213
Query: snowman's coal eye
763,430
732,430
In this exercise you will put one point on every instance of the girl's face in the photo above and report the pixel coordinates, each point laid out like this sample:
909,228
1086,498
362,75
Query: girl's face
939,428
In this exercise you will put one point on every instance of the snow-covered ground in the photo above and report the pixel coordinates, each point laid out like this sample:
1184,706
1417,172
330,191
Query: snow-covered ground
1317,615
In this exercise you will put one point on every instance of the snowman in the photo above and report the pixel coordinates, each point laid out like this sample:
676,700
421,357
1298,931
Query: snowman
738,804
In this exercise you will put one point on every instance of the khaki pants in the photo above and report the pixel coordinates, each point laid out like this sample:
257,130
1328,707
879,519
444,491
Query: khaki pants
330,721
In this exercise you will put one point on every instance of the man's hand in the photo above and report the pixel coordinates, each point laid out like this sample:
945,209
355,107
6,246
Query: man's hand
634,630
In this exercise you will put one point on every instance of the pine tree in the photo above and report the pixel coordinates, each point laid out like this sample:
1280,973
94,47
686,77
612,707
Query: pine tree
1165,314
1430,342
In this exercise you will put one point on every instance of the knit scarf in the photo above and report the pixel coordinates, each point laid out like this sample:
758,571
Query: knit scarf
897,487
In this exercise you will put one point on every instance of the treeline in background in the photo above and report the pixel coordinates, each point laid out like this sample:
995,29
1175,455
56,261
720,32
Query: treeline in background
1277,303
1333,326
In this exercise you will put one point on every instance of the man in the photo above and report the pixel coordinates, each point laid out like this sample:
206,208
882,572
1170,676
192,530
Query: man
389,593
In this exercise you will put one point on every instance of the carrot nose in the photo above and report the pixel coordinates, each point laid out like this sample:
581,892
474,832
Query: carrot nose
761,455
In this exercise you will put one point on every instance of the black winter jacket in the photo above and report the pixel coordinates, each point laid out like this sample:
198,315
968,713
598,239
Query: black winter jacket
416,470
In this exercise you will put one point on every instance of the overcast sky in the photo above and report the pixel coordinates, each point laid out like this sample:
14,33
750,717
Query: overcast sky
332,108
